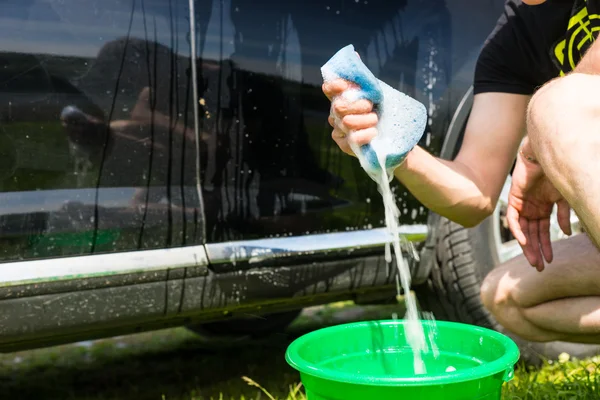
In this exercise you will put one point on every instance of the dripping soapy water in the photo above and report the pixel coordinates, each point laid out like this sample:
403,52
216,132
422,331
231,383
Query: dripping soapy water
374,160
401,124
414,331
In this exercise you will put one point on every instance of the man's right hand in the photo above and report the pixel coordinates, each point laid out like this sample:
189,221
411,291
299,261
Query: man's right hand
351,121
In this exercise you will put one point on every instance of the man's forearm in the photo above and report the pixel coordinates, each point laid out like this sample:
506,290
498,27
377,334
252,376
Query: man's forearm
466,189
448,188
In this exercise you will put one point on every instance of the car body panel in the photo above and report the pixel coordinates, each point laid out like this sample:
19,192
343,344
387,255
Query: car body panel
160,167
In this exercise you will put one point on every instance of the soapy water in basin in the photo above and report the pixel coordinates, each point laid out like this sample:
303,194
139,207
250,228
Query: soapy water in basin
397,363
400,126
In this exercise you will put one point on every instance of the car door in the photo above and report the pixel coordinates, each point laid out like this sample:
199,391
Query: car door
100,211
276,189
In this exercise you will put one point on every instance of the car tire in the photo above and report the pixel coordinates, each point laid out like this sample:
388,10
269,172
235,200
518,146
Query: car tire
460,260
255,326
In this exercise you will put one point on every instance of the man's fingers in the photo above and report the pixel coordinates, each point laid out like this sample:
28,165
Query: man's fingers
512,216
360,137
358,122
534,245
335,87
563,214
363,136
341,140
336,123
545,244
343,107
531,249
526,246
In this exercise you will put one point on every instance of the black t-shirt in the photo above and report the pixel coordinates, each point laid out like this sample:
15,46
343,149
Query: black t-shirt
531,45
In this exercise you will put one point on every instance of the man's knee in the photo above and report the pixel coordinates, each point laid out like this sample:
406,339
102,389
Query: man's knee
560,107
499,297
496,294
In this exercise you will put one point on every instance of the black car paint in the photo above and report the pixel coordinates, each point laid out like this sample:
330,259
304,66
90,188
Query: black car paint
98,141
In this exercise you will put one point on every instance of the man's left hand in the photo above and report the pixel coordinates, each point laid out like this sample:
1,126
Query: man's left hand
530,202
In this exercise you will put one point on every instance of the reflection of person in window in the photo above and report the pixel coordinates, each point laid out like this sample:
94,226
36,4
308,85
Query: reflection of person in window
88,135
149,141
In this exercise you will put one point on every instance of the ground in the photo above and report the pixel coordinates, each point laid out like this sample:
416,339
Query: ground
177,365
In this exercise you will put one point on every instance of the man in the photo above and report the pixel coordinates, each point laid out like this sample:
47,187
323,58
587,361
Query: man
535,44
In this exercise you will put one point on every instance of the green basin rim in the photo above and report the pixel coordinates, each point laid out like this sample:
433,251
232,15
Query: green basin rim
504,363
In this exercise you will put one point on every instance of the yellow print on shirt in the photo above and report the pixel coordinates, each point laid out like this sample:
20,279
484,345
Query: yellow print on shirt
582,30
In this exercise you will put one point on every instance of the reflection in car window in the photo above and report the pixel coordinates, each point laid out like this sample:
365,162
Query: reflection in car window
96,127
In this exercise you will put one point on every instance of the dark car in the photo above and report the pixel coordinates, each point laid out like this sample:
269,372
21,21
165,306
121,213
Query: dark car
169,163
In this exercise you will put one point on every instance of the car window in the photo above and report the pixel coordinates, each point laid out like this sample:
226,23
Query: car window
97,136
271,168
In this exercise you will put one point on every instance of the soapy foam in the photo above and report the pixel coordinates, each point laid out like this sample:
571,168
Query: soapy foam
401,124
402,119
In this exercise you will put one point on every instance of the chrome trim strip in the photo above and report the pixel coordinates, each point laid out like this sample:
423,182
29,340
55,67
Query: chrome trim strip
254,251
89,266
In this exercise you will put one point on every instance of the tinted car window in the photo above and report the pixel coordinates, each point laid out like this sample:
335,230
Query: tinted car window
97,137
271,167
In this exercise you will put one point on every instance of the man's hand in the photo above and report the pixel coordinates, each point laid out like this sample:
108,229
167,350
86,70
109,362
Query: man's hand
351,121
530,203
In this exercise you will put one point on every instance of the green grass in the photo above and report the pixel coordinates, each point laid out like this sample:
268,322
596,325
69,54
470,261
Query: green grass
178,365
563,379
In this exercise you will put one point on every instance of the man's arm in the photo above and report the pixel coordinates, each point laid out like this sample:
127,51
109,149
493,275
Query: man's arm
466,189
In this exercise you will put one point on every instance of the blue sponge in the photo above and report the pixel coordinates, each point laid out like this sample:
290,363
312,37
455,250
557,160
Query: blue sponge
402,119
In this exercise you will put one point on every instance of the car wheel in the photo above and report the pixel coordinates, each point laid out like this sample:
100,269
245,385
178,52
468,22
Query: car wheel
460,260
253,326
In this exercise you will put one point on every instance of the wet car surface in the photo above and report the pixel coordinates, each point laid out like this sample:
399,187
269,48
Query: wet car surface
169,163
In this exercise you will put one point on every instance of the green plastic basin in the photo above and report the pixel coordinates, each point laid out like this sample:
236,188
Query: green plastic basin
372,360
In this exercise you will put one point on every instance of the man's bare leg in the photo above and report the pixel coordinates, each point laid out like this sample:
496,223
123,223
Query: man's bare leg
564,130
563,301
560,303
